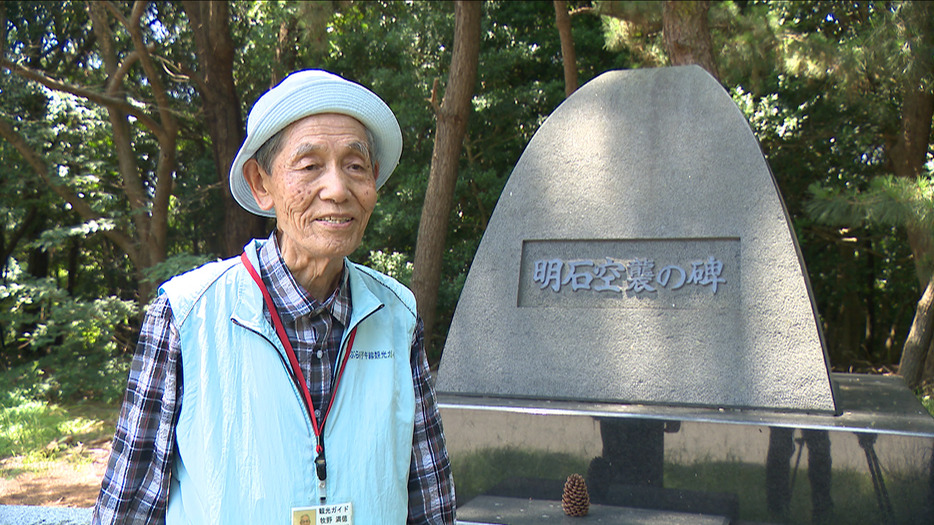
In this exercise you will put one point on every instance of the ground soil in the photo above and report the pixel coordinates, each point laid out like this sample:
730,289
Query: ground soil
71,480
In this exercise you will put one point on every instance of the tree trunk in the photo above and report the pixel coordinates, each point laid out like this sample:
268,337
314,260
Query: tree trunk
927,373
452,118
919,339
568,56
687,35
215,49
285,51
150,206
849,328
907,155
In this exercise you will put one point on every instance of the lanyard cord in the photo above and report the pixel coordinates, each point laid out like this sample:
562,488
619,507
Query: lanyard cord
296,369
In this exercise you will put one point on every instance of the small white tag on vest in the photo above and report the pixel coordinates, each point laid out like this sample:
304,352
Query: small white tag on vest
338,514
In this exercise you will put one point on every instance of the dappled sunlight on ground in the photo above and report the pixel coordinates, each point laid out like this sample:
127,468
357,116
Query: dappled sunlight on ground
71,480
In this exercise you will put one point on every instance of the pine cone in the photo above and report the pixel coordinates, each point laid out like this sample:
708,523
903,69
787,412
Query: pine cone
575,501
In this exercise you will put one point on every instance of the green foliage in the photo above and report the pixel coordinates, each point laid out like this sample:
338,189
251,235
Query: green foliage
174,265
824,103
395,265
51,238
925,394
889,201
634,29
57,347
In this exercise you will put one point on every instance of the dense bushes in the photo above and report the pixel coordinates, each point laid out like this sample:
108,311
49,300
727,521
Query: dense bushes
60,348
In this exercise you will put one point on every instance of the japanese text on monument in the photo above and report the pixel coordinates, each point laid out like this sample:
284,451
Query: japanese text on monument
636,273
640,274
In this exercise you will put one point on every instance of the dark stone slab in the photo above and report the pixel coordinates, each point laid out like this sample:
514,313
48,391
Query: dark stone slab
489,510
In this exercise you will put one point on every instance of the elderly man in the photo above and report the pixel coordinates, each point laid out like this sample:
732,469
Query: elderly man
287,381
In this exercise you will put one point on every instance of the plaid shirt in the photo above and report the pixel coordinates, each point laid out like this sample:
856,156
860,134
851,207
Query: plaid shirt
135,487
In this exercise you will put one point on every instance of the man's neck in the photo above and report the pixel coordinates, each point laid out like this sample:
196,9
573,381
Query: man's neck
318,276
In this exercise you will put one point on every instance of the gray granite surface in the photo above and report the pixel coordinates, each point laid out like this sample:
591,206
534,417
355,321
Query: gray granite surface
26,515
641,253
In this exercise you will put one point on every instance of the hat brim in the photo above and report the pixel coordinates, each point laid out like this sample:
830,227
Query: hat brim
313,92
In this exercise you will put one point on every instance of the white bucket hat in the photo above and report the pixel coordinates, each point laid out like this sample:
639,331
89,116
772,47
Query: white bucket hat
311,92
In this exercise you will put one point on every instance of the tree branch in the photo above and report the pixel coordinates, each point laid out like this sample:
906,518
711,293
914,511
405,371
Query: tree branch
646,16
433,100
166,135
127,161
77,204
123,69
182,73
81,92
117,14
101,28
169,128
568,55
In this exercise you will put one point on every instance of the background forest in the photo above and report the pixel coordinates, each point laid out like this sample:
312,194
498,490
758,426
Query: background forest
118,121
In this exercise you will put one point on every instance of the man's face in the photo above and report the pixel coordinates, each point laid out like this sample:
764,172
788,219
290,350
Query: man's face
323,187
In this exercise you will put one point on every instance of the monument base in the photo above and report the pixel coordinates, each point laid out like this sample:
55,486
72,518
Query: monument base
490,510
874,463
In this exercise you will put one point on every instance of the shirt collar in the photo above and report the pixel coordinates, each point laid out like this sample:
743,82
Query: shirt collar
290,298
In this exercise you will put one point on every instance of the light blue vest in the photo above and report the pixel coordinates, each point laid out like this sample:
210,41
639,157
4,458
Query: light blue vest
245,446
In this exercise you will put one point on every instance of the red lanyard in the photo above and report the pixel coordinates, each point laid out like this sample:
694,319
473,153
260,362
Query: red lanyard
320,464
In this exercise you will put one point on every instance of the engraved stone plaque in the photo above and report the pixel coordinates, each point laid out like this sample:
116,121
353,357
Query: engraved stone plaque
644,273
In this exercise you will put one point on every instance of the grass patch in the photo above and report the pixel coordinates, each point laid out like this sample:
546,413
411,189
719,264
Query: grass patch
38,431
928,402
926,396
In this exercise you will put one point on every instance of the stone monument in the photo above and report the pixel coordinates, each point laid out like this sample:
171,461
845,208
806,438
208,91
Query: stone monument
641,253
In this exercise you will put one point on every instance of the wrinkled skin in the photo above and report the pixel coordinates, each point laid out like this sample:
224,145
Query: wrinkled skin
323,189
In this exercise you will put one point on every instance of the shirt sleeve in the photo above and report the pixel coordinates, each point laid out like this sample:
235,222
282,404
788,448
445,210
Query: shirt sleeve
135,486
431,486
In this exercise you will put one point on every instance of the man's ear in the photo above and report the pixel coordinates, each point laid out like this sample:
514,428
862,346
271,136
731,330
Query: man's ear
256,177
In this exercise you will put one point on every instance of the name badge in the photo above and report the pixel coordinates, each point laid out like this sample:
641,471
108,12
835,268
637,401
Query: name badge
338,514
